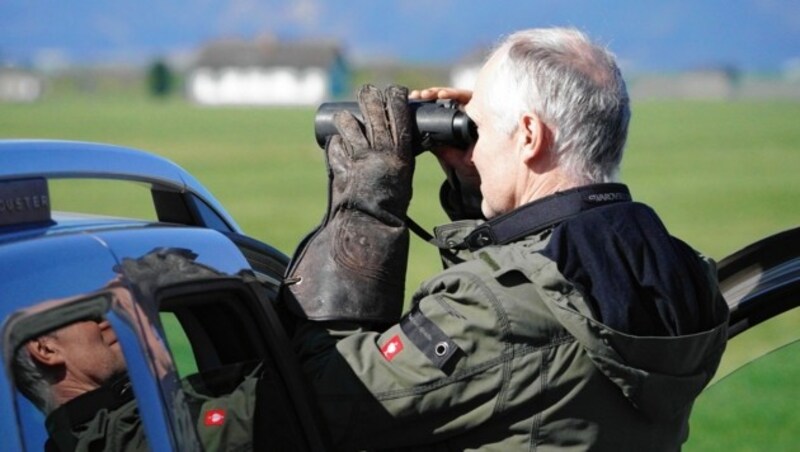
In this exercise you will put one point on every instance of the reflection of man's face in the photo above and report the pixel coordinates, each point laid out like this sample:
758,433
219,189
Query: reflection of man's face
90,352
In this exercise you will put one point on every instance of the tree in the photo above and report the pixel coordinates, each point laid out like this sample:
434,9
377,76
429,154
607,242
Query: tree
160,79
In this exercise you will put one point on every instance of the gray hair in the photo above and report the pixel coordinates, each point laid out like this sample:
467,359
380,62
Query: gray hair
32,380
575,87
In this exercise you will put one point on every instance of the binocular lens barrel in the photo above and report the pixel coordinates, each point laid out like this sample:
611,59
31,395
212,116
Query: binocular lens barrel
435,124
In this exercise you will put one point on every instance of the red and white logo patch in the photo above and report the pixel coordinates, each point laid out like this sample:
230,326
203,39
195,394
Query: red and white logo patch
214,417
392,348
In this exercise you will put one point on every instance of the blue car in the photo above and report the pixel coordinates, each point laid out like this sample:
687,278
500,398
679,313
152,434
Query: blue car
192,299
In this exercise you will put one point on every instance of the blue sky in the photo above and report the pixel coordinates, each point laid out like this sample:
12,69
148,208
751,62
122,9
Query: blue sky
670,35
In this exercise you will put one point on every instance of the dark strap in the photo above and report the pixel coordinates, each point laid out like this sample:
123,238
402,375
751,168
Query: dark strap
420,231
445,250
544,213
434,343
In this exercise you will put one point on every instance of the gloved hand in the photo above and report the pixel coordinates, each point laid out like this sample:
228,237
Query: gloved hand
353,266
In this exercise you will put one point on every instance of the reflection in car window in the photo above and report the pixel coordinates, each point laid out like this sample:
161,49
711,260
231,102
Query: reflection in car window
237,378
68,368
754,408
75,393
219,320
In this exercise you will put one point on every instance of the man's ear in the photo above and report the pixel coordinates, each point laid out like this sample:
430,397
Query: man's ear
43,351
535,136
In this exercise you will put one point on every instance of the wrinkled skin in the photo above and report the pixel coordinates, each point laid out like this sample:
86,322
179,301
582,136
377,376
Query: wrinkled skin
353,266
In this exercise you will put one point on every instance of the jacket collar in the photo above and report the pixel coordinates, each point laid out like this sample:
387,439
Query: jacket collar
65,419
544,213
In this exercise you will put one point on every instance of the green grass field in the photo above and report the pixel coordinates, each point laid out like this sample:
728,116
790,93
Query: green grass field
721,175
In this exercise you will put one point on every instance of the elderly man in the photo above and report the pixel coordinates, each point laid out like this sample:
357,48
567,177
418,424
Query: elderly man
569,317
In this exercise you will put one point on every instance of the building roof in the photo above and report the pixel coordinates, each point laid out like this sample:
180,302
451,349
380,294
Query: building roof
17,72
238,53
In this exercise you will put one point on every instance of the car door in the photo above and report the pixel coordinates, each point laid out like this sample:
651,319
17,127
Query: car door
215,296
752,405
52,283
285,405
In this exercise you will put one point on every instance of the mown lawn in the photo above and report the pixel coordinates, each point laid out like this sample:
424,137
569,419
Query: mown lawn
720,174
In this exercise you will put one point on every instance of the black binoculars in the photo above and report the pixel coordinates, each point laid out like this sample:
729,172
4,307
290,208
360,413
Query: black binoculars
436,123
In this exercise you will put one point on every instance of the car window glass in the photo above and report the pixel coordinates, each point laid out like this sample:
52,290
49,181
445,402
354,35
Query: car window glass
209,217
67,367
237,379
215,322
102,197
759,340
179,344
753,408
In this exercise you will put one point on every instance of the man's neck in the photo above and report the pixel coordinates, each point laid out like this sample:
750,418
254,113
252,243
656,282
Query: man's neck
68,389
545,185
62,422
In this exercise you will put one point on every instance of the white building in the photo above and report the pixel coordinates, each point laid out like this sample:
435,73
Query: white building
267,73
17,85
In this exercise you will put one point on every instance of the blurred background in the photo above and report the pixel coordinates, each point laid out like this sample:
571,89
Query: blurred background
219,52
228,89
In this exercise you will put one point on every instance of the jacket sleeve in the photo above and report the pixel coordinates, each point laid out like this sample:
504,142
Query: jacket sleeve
226,422
439,371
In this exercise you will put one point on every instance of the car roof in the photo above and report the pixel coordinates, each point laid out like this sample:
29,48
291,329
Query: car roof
33,238
56,159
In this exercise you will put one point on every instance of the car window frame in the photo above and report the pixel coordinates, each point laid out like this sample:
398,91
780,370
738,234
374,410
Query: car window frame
262,320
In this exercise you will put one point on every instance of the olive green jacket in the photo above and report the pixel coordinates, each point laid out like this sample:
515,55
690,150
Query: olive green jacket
222,423
501,352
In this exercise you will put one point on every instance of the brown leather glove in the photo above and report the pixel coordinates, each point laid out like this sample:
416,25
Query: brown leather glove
353,266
